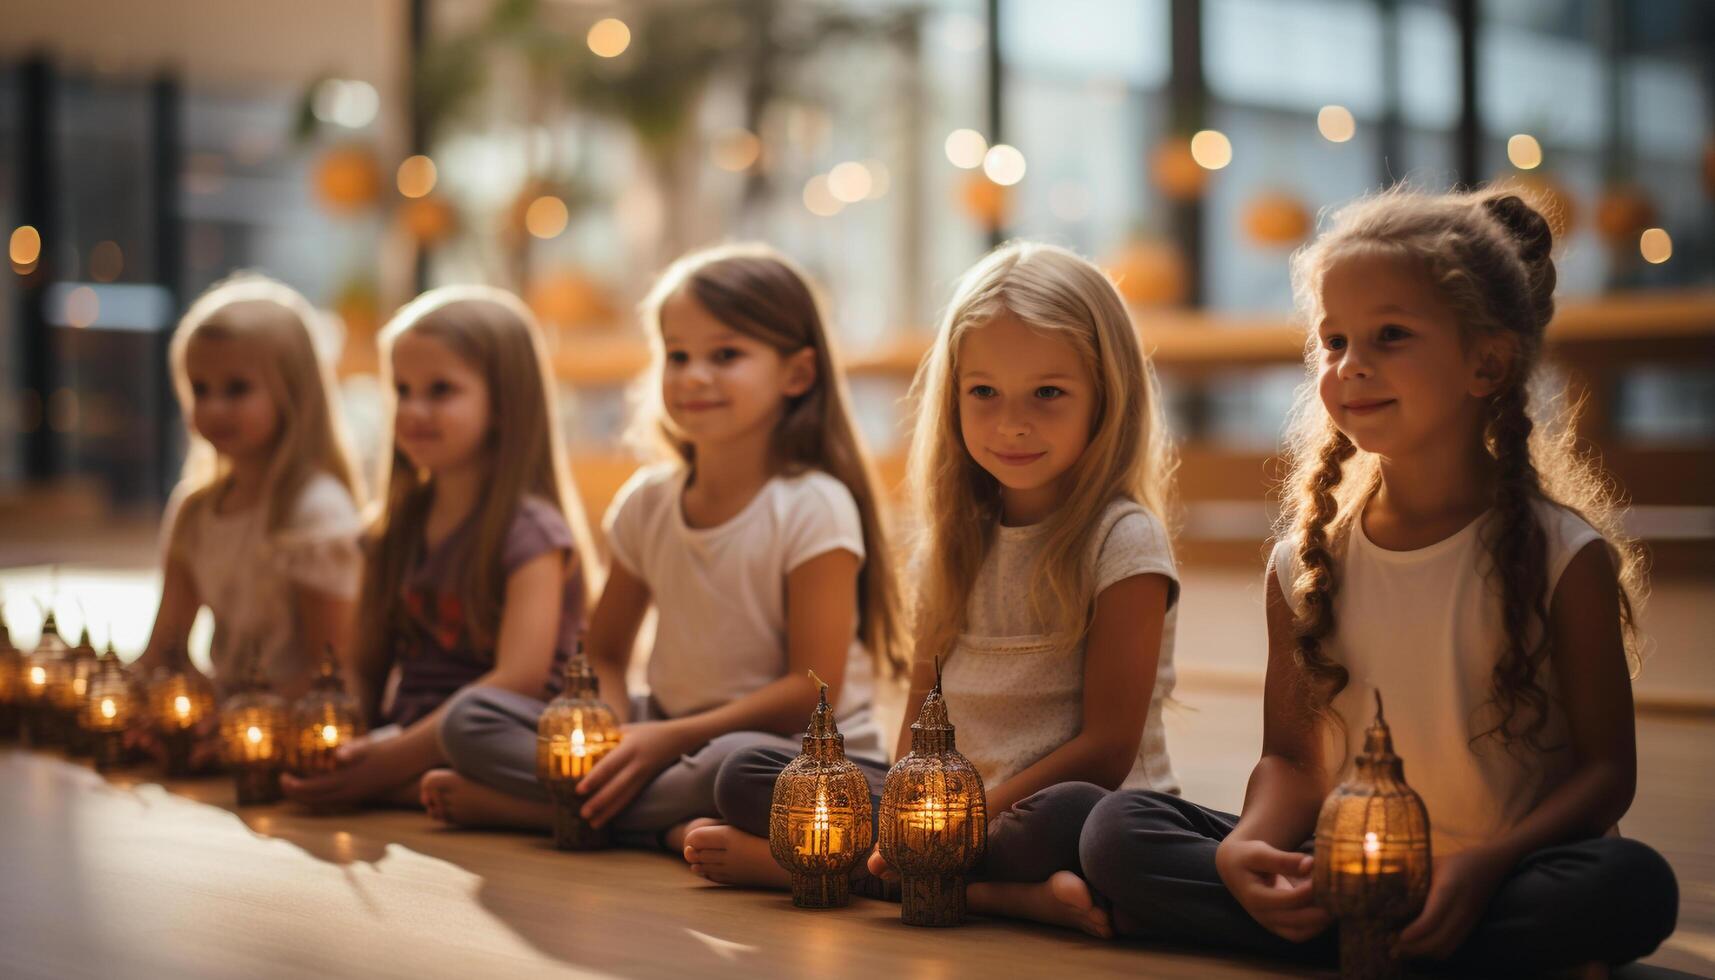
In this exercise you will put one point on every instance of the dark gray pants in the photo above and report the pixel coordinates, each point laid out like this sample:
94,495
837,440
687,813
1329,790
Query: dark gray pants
1152,857
1029,842
489,735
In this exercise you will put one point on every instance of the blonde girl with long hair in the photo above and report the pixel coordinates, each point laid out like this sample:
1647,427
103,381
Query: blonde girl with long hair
1040,471
476,559
1444,541
263,526
760,543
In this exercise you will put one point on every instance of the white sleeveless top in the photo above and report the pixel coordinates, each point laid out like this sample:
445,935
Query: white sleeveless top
248,577
1424,627
1013,693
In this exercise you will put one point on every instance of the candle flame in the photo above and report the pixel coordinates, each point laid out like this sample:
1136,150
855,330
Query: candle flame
821,811
182,706
578,742
38,676
330,733
1371,843
254,734
108,709
80,686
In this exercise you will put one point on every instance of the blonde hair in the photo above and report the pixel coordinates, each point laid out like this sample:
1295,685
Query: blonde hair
758,292
1489,255
493,332
958,503
270,315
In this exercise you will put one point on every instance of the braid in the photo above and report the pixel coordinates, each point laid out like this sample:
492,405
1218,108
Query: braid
1518,552
1315,585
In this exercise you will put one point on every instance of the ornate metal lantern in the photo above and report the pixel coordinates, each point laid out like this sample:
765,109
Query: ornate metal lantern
109,707
1372,856
573,734
255,726
181,701
324,719
934,819
821,822
46,670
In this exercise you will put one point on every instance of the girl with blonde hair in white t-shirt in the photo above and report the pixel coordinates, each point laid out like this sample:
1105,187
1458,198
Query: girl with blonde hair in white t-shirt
1041,473
760,544
1444,542
263,526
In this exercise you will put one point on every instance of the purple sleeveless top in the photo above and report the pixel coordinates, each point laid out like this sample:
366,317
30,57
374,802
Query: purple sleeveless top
434,654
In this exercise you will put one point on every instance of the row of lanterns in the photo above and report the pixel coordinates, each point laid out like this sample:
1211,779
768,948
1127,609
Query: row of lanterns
59,695
1372,857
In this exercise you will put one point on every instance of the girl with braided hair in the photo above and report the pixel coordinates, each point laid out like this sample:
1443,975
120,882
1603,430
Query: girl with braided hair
1441,539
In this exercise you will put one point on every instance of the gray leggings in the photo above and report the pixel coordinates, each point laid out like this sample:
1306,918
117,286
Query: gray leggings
489,735
1029,842
1151,856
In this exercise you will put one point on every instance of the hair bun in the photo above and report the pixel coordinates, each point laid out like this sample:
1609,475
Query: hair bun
1529,229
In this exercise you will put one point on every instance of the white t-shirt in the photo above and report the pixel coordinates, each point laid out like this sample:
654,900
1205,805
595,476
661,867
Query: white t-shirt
247,577
720,592
1424,626
1014,693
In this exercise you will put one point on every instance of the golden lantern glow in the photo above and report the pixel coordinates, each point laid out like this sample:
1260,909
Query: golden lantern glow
181,702
1175,170
25,246
608,37
46,671
109,708
1655,245
546,216
348,179
1276,219
1524,152
416,176
934,819
1336,124
324,719
1211,149
254,735
1372,856
81,664
573,734
821,822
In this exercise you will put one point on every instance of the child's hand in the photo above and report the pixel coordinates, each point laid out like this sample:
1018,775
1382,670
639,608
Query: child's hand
1459,892
1273,886
879,867
362,773
645,748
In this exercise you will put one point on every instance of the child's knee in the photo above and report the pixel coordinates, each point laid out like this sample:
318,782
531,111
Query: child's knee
1111,843
468,715
1636,870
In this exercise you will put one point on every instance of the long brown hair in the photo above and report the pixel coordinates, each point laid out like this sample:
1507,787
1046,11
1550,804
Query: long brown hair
1489,254
273,317
958,503
758,292
498,337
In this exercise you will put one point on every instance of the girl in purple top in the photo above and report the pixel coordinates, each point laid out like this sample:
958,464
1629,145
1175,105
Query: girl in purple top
474,574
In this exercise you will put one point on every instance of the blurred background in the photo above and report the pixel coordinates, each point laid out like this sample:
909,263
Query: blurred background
362,150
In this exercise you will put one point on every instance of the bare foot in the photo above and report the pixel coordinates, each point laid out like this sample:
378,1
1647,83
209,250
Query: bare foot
673,838
1063,900
452,799
729,856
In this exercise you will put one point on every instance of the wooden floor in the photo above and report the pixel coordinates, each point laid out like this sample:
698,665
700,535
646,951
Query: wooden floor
125,876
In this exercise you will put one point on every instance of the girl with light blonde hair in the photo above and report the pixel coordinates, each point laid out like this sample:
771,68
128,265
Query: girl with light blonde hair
263,526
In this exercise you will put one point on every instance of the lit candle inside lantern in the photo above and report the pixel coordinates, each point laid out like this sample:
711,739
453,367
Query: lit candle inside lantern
330,736
80,686
38,677
108,709
933,816
820,836
182,707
